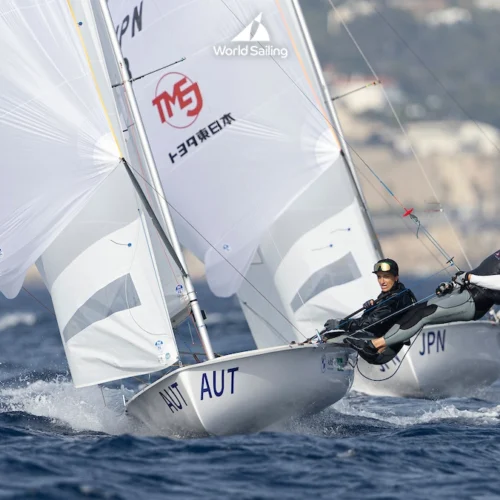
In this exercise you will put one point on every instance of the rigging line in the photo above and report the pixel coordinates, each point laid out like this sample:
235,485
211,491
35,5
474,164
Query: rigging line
317,106
409,212
278,333
371,84
414,218
436,78
39,301
218,252
403,129
131,80
137,148
406,290
391,208
393,314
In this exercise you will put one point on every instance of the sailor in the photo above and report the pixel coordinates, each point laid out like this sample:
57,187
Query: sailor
382,313
468,296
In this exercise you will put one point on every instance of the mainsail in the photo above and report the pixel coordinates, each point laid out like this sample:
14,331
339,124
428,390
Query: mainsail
57,144
238,125
244,118
316,259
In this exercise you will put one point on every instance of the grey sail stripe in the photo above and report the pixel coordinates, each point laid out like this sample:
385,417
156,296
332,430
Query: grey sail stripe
117,296
322,200
337,273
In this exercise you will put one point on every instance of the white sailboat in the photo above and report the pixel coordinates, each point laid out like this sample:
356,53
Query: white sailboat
315,260
85,201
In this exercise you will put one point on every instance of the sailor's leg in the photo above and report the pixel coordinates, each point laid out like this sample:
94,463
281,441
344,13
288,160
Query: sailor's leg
383,357
453,307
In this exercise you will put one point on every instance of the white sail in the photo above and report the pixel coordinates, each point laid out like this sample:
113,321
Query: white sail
245,135
101,271
48,102
170,275
318,256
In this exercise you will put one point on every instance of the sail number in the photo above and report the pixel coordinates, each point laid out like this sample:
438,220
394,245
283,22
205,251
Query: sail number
173,398
215,383
386,367
433,342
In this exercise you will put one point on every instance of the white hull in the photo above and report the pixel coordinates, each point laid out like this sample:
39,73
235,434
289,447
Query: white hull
450,360
245,392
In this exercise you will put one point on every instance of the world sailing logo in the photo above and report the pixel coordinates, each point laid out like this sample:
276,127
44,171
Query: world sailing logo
253,41
254,32
178,100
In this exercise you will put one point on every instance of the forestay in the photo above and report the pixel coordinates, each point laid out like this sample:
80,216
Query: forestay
57,147
237,129
102,272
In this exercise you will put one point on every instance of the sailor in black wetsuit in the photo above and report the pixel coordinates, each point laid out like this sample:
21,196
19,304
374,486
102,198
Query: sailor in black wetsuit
467,297
384,312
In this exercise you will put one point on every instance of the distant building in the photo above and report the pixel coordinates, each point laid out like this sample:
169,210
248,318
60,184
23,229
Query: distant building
450,16
419,8
448,138
348,12
487,4
368,97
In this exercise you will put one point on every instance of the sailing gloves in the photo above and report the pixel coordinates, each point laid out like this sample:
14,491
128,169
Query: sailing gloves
444,288
458,281
332,324
368,304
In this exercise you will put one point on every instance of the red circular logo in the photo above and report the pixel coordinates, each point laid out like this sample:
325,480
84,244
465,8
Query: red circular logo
178,100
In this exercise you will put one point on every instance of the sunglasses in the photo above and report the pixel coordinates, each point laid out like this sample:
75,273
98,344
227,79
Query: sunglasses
381,266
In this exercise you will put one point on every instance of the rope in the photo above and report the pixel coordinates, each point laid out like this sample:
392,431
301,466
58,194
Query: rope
265,321
377,82
39,301
438,81
407,212
405,133
218,252
148,73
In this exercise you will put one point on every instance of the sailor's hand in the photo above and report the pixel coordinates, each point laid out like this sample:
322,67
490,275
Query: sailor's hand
461,279
444,288
332,324
368,304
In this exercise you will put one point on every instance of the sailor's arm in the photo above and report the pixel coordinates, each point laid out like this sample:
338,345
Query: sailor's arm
492,282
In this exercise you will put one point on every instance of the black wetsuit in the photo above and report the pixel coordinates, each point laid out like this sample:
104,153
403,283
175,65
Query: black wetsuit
398,298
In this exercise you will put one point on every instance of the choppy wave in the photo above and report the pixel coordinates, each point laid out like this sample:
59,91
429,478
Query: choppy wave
86,409
11,320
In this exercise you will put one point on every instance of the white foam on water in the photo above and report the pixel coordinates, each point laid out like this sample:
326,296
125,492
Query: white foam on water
215,318
437,412
79,409
10,320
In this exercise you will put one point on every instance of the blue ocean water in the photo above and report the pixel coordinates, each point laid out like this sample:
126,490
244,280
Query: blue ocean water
58,442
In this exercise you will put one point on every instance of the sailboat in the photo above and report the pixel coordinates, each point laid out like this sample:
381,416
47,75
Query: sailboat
443,360
86,203
315,260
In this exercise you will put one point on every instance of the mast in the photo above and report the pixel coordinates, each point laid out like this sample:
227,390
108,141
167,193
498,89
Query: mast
332,114
151,166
